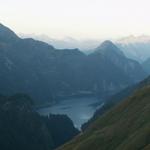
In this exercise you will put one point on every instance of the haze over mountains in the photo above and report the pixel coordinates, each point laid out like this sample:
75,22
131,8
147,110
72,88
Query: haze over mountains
74,75
47,73
68,42
50,76
134,47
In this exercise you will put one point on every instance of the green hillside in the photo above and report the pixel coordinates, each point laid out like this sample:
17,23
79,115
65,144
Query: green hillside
115,99
124,127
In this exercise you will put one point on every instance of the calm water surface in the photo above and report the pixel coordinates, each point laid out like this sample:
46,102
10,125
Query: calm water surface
79,110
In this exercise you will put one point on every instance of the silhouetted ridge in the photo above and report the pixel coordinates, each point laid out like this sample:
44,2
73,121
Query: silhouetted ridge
21,128
7,35
108,47
48,74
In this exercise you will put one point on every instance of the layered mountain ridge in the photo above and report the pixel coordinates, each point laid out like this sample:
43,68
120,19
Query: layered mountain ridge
45,73
116,56
136,48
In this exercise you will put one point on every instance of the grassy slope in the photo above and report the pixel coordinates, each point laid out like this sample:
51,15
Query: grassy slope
115,99
124,127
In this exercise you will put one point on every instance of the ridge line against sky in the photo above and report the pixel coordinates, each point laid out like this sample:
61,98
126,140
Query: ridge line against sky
80,19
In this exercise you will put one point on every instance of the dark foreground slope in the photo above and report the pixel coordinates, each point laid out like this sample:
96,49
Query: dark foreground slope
124,127
115,99
23,129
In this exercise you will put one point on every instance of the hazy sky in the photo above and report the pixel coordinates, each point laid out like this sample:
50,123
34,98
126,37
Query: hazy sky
77,18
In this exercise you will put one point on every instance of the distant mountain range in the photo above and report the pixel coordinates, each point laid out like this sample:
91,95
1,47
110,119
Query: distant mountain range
134,47
137,48
47,73
85,45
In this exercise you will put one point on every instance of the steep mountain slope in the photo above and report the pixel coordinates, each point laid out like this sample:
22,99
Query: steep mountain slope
22,128
115,99
106,76
7,35
124,127
46,73
146,65
36,68
130,67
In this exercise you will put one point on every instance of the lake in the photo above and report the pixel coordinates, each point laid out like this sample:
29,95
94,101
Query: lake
80,110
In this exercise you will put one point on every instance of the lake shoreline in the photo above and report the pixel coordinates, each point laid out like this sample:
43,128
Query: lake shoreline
79,109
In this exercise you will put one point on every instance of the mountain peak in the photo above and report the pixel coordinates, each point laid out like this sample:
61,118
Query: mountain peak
107,43
1,25
6,34
108,47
